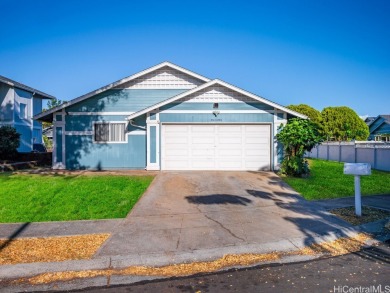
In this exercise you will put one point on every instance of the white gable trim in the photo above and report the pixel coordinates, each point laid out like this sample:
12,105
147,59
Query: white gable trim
210,83
119,82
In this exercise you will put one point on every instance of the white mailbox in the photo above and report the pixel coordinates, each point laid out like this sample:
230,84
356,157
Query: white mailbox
357,169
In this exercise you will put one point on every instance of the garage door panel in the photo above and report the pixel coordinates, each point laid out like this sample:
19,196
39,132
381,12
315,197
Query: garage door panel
202,129
203,140
231,152
216,147
227,140
228,128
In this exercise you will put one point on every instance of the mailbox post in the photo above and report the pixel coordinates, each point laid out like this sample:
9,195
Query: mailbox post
357,169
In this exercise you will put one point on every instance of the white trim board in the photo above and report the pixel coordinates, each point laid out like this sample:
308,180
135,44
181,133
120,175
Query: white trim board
119,82
219,111
99,113
211,83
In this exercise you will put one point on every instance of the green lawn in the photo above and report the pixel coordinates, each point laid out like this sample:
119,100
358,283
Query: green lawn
36,198
328,181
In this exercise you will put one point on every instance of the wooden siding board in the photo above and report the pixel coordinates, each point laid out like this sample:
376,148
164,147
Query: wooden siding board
6,103
221,118
82,153
25,138
221,106
58,146
116,100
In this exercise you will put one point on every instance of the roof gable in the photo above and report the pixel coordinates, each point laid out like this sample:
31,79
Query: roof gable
215,89
163,78
165,72
19,85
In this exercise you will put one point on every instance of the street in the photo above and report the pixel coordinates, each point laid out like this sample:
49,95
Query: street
366,268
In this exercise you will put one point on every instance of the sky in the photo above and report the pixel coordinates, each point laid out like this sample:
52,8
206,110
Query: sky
321,53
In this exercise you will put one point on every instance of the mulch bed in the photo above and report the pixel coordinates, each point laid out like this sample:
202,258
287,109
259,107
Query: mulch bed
51,249
368,215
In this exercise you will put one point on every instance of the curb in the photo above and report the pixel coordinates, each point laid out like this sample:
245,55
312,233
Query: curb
12,272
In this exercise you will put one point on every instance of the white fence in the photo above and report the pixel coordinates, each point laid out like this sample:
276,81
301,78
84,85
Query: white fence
375,153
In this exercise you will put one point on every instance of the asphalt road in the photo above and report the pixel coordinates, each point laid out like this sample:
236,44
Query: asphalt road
369,267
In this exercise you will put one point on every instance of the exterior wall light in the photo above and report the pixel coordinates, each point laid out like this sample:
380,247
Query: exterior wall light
215,112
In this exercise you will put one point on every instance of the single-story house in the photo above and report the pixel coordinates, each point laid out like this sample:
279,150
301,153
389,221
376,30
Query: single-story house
18,104
380,128
167,118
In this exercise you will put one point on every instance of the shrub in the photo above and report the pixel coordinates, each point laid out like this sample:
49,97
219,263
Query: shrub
297,136
9,142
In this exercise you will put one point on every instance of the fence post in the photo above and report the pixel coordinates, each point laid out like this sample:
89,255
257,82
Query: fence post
327,152
339,151
355,153
375,153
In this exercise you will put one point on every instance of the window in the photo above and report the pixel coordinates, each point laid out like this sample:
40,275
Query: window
22,111
109,132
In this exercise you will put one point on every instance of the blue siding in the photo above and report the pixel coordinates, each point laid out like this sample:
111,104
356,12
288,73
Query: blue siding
85,122
37,108
59,144
130,100
6,103
378,122
82,153
153,144
37,135
221,106
221,118
25,138
383,129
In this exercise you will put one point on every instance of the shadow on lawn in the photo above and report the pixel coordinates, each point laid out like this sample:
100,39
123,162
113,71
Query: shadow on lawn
14,235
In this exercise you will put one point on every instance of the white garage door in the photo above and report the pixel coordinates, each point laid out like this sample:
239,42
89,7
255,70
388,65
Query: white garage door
215,147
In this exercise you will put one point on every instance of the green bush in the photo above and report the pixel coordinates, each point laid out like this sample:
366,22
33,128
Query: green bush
297,137
9,142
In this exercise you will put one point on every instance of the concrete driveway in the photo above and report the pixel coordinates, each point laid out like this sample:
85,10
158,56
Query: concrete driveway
231,212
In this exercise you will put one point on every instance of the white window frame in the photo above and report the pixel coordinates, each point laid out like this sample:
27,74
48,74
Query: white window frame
26,114
109,134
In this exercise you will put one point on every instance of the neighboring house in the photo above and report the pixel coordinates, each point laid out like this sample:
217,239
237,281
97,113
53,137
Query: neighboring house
18,104
48,132
380,128
167,118
368,120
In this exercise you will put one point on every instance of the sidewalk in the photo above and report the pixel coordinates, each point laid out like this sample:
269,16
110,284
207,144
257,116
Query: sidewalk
375,201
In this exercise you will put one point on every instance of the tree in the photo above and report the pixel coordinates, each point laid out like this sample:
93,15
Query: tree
342,123
310,112
9,142
53,103
298,136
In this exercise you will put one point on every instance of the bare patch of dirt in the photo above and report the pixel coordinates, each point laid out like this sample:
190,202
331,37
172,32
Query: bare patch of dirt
28,250
368,215
337,247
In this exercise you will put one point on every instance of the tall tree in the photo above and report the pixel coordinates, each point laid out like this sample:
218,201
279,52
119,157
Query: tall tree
342,123
310,112
53,103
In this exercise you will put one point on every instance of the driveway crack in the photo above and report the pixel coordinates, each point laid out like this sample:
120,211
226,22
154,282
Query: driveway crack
223,227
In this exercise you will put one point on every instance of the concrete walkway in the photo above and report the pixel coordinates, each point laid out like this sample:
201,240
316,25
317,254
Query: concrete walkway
53,229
